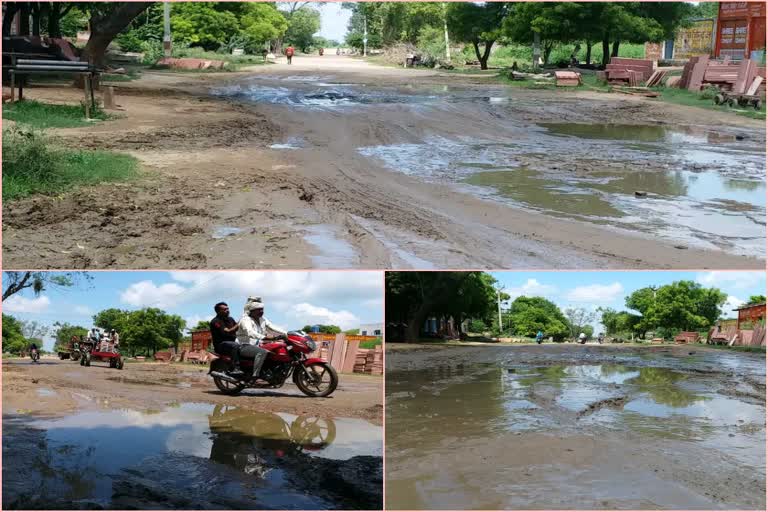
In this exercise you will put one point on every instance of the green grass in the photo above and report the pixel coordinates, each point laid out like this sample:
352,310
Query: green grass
688,98
737,349
38,115
234,62
505,56
371,343
32,165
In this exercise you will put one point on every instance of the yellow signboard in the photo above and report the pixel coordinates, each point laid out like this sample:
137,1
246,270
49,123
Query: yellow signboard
694,40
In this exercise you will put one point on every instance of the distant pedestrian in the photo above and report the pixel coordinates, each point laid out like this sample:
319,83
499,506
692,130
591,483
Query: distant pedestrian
289,53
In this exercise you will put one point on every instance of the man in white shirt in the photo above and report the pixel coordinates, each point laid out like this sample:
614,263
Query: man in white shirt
254,328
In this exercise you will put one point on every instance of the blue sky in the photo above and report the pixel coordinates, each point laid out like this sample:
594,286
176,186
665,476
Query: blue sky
292,299
333,22
608,289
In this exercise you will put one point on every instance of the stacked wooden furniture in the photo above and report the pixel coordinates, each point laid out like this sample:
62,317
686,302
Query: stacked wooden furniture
686,337
631,72
567,79
738,77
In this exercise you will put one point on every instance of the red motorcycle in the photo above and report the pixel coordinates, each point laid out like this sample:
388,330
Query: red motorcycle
286,358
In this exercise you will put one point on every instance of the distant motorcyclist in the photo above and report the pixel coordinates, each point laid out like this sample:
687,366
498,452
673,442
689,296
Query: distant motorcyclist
539,337
582,338
223,328
33,352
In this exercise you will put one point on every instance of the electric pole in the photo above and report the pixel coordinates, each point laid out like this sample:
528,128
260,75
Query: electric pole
499,289
167,29
365,35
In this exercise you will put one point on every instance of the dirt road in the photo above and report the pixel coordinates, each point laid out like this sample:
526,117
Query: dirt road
156,436
337,163
575,427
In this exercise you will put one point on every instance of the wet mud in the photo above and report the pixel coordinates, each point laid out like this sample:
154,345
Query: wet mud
338,163
575,427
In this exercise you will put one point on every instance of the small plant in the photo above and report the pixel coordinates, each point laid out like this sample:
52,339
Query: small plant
709,92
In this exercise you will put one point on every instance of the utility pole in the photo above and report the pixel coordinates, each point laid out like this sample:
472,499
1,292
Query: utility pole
536,49
365,35
445,30
499,289
167,29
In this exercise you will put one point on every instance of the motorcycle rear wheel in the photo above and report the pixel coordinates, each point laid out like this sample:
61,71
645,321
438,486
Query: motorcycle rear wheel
228,388
312,381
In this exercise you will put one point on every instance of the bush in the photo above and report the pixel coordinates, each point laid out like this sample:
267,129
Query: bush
32,165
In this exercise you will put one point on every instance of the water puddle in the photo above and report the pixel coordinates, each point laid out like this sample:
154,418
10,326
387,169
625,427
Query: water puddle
192,456
334,251
701,189
524,431
45,392
291,143
225,231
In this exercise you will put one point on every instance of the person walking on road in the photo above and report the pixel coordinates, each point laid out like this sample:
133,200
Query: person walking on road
289,53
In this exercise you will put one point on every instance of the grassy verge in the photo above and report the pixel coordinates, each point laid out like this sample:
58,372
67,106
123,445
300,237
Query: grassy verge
32,165
757,350
691,99
370,344
39,115
234,62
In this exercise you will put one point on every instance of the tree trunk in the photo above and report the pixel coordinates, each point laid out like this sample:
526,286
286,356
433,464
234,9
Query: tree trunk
105,27
416,321
589,52
606,50
615,51
55,14
486,54
24,19
36,15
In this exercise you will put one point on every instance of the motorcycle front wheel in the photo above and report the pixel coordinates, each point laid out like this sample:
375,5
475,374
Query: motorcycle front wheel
317,379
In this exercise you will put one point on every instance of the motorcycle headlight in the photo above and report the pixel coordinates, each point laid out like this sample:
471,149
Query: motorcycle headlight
311,344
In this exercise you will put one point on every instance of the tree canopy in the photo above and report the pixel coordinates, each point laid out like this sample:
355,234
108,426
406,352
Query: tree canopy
142,331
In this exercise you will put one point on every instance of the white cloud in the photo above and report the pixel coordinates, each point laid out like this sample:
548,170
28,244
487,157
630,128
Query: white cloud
532,288
727,309
19,304
274,287
738,280
83,310
596,293
308,314
193,320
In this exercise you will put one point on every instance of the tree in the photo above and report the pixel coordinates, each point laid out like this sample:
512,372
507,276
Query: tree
620,323
202,325
579,320
555,22
478,24
529,315
302,26
326,329
13,339
412,297
756,299
679,306
38,282
33,329
65,332
146,330
107,20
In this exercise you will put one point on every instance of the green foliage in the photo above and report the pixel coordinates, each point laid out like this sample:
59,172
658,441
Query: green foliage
620,323
329,329
32,165
146,330
432,43
478,24
40,115
14,341
529,315
476,325
303,24
64,333
202,325
680,306
756,299
370,344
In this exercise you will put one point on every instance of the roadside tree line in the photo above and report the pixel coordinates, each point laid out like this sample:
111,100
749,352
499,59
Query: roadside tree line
483,25
414,297
138,26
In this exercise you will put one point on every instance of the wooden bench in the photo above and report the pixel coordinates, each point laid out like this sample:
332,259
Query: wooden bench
20,67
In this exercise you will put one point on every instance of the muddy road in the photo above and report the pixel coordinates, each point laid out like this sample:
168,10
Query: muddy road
161,436
575,427
337,163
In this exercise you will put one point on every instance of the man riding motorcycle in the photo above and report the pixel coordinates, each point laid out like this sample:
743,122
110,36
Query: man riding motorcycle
223,328
253,329
33,352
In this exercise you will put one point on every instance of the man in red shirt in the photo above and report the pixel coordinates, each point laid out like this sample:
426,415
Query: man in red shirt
289,53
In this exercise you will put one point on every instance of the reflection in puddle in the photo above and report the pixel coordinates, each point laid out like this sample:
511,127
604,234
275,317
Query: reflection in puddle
267,460
225,231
